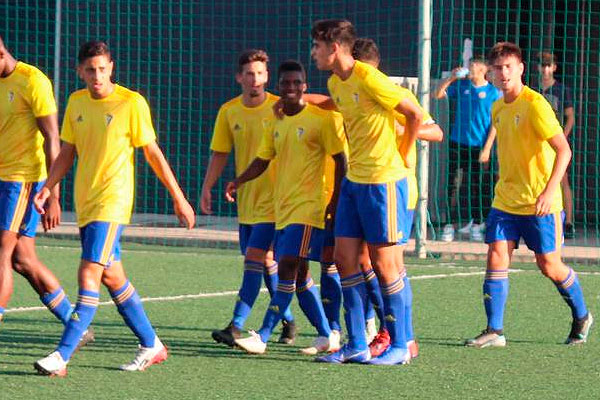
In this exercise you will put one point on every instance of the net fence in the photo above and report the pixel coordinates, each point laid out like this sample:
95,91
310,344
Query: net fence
181,55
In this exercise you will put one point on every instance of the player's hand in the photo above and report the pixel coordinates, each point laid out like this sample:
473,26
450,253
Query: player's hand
455,72
543,204
185,213
51,217
484,156
205,202
278,109
230,190
39,200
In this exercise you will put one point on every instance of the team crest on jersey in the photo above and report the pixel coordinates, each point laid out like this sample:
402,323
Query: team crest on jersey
337,100
237,127
517,119
80,118
497,120
11,96
482,95
300,132
109,117
276,134
355,97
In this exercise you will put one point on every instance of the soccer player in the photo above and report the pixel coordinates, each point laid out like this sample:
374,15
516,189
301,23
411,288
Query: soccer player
366,50
373,199
560,98
300,144
240,125
29,136
103,125
533,155
471,140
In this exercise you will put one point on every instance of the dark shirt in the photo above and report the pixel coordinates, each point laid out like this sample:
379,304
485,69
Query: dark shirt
559,96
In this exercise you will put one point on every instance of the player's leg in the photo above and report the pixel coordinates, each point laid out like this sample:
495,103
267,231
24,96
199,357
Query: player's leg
331,289
543,235
14,199
310,302
502,236
569,229
374,301
452,197
411,341
289,330
43,281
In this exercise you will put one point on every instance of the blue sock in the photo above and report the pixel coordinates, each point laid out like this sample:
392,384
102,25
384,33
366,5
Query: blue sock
408,300
251,282
271,281
393,304
331,294
58,304
131,309
353,289
495,293
310,302
81,318
280,301
570,290
374,295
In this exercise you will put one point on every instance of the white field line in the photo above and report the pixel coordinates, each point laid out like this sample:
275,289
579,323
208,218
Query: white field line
263,290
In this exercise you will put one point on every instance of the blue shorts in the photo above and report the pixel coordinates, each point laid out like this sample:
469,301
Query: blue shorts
100,242
259,236
17,213
541,234
297,240
374,212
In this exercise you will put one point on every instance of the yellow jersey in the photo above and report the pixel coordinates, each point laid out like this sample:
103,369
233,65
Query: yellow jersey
413,187
301,145
241,128
367,100
105,133
525,157
26,94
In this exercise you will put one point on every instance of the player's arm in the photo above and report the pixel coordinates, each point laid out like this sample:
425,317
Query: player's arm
162,169
563,156
254,170
484,154
48,126
440,92
570,122
58,170
216,164
414,118
340,171
430,133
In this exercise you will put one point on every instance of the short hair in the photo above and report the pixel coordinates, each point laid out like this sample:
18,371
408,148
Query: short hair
334,30
365,49
478,59
504,49
546,58
251,55
92,49
291,66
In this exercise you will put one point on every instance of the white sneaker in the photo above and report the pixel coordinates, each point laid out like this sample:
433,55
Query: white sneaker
371,329
323,344
447,233
52,365
147,356
252,344
467,228
476,232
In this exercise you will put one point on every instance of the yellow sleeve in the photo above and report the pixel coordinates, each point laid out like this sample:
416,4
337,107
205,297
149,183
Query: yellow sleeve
42,96
222,140
142,131
383,90
543,119
332,134
266,150
66,132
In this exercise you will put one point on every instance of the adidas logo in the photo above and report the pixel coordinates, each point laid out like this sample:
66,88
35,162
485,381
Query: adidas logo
109,118
75,316
390,318
274,308
325,300
79,118
237,127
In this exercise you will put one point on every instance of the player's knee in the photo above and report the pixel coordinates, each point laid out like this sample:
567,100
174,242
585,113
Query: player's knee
257,255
